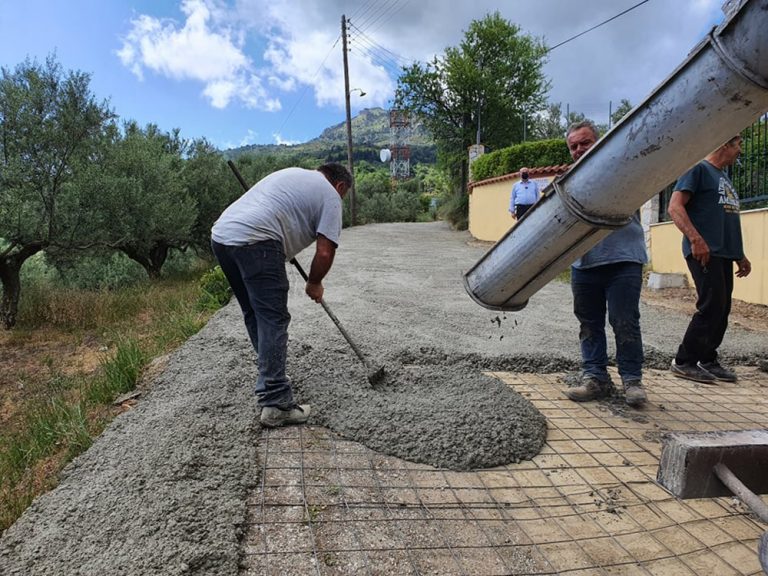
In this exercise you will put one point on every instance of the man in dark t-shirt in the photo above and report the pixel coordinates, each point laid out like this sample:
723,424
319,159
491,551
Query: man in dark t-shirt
705,207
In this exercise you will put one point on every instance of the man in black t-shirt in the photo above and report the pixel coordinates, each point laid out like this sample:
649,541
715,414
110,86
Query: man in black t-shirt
705,207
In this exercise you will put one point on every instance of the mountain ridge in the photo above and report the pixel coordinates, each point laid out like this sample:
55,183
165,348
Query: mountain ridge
370,133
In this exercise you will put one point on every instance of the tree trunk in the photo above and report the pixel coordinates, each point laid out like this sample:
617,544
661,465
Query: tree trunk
9,306
152,262
157,256
10,278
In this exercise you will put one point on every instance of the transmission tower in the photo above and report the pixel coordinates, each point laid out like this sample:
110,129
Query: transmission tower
399,130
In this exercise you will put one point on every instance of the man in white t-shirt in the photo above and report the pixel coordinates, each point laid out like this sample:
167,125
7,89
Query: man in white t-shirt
252,239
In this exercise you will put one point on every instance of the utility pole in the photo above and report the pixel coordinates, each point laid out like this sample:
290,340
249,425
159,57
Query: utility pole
352,207
610,113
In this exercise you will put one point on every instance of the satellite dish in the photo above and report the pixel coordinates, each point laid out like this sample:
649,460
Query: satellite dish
385,155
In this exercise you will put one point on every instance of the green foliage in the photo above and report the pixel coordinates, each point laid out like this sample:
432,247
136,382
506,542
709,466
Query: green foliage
210,182
148,207
120,372
493,79
456,211
749,174
50,128
215,290
548,124
381,199
98,271
69,411
530,154
622,110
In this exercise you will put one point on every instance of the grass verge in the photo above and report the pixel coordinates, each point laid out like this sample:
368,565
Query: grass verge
73,353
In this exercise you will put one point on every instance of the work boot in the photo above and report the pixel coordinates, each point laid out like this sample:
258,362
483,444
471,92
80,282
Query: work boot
718,371
692,372
272,416
588,388
634,395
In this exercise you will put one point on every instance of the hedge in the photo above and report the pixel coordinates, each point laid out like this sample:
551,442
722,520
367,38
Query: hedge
530,154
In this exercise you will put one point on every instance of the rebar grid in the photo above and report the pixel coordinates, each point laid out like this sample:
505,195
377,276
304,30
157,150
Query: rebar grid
588,504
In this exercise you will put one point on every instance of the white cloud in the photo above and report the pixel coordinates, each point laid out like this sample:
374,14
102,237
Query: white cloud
280,140
203,49
304,49
295,45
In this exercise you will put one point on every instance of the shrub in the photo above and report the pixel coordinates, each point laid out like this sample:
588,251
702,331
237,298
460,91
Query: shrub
456,211
215,290
530,154
99,271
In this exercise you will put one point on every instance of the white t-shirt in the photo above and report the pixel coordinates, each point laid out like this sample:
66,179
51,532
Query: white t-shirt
292,205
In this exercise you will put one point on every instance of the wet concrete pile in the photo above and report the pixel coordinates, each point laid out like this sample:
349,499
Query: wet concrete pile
448,415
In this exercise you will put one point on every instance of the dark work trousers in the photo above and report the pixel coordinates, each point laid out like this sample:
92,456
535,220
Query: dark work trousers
260,283
714,286
521,209
615,287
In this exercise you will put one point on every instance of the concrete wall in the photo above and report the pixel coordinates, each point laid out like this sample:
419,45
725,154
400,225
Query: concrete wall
666,254
489,217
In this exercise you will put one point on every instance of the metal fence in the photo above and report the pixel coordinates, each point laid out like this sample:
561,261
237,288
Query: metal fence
749,175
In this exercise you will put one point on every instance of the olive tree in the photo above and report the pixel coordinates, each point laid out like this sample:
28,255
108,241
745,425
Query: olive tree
50,127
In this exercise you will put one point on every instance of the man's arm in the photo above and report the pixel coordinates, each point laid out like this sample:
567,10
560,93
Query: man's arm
325,251
512,200
679,215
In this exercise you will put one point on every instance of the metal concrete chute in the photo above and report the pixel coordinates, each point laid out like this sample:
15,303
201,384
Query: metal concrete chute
721,88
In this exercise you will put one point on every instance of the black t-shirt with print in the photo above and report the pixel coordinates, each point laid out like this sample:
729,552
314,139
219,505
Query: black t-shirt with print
714,210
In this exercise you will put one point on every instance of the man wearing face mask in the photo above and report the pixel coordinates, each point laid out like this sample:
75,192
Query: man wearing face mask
609,276
524,195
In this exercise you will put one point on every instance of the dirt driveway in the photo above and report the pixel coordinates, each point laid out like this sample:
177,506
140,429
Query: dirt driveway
165,489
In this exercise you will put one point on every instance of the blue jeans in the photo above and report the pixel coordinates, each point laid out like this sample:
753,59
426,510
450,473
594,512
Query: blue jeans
257,275
617,287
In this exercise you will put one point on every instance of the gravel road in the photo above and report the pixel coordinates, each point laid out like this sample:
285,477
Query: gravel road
163,490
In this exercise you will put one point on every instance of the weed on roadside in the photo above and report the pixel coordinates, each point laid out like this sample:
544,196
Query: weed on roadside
60,401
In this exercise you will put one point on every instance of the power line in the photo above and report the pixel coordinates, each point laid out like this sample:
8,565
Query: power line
377,54
307,85
361,11
399,60
382,9
387,19
597,25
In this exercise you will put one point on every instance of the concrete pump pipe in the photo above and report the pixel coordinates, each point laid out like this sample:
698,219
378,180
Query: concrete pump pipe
721,88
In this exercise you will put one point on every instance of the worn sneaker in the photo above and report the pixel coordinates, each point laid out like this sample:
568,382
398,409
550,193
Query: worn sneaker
272,416
588,388
634,395
718,371
692,372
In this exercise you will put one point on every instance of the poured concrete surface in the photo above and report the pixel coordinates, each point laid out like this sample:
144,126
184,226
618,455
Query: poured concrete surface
587,505
165,489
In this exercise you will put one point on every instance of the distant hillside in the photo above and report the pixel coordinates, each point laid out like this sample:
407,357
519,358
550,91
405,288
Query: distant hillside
370,133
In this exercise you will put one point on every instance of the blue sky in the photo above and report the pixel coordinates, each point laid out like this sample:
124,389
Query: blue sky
270,71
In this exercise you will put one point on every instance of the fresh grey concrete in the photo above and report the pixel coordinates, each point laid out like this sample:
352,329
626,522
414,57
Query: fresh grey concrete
163,490
659,281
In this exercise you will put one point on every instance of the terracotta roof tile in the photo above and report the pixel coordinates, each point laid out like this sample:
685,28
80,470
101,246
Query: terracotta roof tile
541,171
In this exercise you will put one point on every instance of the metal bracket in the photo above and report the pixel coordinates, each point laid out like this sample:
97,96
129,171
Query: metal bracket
734,65
577,210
